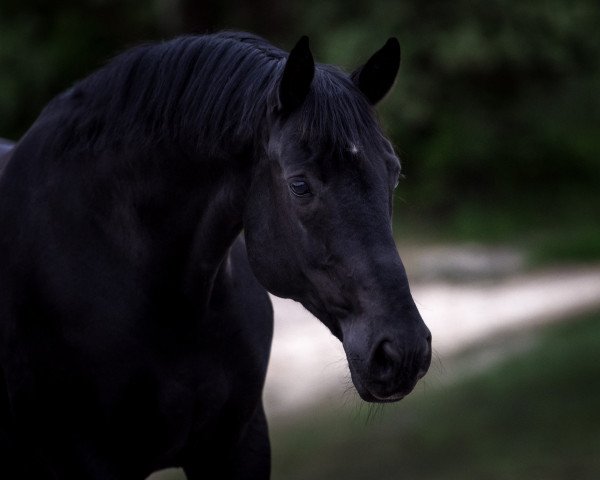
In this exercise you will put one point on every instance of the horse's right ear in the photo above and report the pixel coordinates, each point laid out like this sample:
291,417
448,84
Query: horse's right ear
297,76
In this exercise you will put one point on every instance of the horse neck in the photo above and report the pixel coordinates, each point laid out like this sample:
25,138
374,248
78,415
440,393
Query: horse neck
217,224
177,211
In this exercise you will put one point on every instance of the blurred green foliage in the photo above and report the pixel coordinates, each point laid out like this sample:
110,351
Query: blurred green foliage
533,415
496,112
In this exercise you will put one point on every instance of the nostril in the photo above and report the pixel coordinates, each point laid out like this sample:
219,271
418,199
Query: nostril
385,358
426,358
427,348
390,351
391,363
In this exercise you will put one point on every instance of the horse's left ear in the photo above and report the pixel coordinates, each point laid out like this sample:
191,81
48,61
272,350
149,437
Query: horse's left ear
376,77
297,76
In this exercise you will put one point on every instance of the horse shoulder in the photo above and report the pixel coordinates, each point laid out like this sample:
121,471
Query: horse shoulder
245,307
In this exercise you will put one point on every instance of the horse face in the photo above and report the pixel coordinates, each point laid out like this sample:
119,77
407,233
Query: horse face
318,230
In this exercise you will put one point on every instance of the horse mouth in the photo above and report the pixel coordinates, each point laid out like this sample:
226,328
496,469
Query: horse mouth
371,397
395,397
379,393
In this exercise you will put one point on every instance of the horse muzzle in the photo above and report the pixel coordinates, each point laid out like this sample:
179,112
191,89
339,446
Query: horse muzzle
391,367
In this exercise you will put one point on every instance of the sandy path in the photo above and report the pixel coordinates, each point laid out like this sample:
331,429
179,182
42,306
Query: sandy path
308,363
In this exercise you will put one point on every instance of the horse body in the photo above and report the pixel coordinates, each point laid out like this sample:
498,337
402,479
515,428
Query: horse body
134,334
115,367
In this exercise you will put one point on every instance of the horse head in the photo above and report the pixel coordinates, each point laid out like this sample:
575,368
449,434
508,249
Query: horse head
317,219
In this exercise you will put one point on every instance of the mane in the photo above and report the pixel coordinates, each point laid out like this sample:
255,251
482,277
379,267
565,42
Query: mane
211,92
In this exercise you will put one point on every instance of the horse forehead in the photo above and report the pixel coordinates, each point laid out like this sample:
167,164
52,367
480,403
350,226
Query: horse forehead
366,154
384,152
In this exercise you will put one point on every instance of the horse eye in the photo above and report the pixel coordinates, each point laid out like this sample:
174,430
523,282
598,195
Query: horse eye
300,188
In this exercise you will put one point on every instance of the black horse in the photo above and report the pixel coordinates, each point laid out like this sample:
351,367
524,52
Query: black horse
135,326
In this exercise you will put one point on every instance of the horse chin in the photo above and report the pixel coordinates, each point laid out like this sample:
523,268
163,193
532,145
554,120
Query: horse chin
372,398
375,395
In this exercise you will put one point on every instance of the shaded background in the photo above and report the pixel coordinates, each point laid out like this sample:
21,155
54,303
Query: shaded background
496,114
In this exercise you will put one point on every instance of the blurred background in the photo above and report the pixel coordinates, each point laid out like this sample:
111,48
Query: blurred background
496,115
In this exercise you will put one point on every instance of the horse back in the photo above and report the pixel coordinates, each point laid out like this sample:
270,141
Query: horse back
6,147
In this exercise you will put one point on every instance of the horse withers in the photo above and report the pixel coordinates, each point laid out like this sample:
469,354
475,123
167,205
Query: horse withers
6,147
135,324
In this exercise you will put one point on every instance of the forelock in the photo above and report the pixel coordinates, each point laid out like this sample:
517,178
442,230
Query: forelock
336,113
